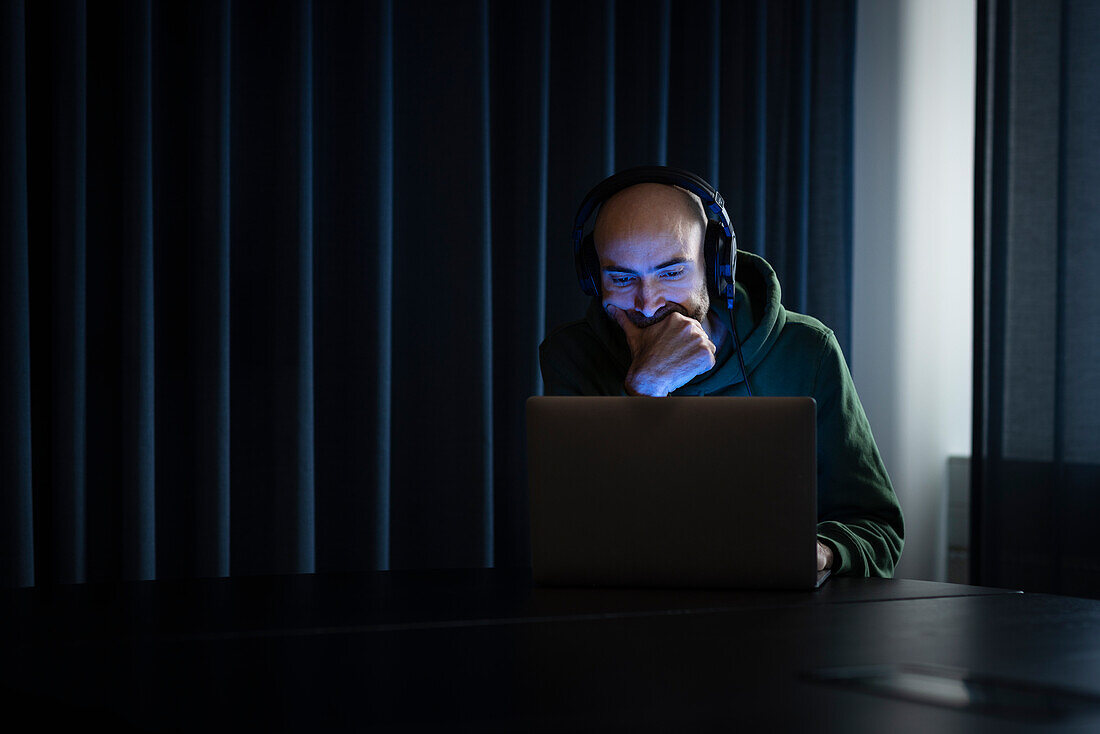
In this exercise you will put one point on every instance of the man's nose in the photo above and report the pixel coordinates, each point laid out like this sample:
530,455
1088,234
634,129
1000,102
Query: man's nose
648,300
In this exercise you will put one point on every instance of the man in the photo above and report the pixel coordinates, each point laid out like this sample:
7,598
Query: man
652,331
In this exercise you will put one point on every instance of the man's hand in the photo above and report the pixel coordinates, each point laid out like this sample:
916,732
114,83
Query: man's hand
824,556
666,355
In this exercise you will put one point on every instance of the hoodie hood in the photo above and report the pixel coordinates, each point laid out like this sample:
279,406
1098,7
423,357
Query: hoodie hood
760,318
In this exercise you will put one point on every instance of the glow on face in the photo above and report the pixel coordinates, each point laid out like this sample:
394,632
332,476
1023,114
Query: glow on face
648,272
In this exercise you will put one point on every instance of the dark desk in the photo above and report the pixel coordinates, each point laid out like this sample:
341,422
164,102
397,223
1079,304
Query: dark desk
483,650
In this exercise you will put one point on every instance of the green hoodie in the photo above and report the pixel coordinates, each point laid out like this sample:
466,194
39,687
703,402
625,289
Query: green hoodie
785,354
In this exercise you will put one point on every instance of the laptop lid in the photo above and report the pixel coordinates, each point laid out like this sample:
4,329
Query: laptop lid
687,492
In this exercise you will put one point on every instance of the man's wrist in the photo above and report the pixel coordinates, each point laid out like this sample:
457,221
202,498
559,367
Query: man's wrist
640,387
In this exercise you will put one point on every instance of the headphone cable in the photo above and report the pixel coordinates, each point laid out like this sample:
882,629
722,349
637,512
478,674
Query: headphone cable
736,338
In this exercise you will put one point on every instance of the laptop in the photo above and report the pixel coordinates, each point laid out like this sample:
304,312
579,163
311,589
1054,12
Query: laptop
701,492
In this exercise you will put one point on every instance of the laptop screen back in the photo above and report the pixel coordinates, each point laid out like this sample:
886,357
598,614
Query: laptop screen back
689,492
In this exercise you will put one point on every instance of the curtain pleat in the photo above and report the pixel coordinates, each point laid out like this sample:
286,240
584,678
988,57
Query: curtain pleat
192,235
756,178
384,286
542,220
610,66
828,182
214,504
664,62
713,91
270,337
306,561
275,275
354,269
639,97
70,353
487,291
121,295
519,74
15,364
798,261
139,309
439,424
57,56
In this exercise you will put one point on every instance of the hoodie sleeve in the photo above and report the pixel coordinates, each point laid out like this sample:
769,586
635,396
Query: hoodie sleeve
858,512
574,362
555,379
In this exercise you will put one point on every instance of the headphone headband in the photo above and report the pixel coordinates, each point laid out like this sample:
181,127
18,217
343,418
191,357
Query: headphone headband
712,200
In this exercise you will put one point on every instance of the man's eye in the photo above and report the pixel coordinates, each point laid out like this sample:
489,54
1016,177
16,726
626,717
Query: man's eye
621,279
672,274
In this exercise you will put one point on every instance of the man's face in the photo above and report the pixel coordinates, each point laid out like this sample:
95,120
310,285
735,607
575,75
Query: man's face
649,239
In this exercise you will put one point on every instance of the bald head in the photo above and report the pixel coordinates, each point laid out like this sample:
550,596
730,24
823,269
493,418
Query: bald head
650,211
649,241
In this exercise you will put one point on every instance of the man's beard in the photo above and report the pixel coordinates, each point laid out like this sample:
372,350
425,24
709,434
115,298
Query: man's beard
701,302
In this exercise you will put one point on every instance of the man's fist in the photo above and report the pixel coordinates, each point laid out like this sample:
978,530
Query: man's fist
665,355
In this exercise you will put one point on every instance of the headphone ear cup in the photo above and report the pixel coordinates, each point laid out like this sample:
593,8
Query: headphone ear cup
731,247
588,267
713,256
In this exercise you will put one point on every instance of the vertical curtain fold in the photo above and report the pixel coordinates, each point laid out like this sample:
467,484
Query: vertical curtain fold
610,70
70,428
354,291
799,266
384,283
538,327
306,561
440,345
521,173
758,174
714,63
138,521
664,61
271,340
15,364
1058,498
486,300
57,58
216,513
70,287
193,226
278,305
829,144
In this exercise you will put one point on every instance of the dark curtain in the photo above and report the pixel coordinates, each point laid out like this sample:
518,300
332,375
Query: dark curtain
1036,477
274,274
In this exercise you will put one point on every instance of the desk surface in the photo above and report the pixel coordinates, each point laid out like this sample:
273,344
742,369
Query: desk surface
484,649
255,605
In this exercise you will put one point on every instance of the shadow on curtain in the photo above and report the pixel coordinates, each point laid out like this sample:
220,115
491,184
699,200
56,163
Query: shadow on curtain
1036,479
274,274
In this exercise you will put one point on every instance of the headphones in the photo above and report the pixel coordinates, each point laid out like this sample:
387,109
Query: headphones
719,242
